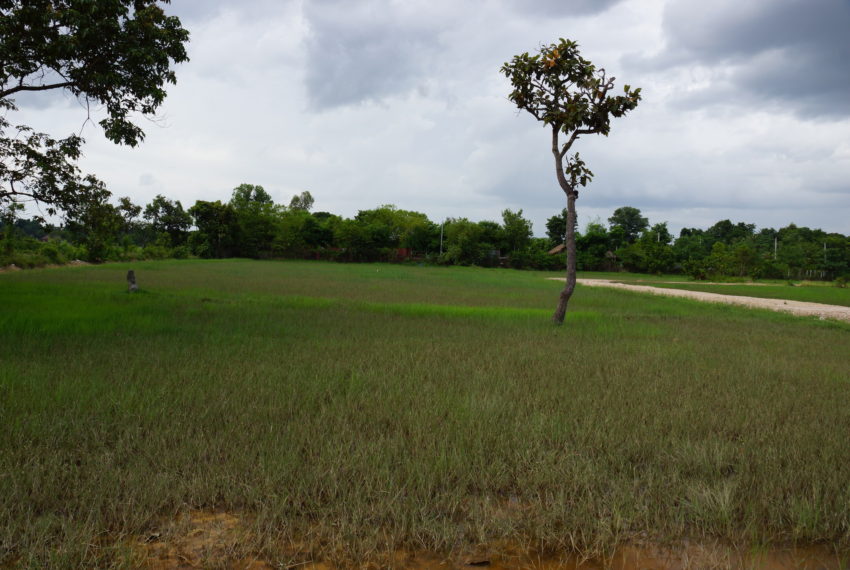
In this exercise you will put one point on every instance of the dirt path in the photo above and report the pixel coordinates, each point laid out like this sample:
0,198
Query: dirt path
800,308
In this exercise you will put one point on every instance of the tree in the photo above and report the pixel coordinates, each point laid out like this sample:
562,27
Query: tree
129,211
730,233
570,96
247,196
294,227
360,240
556,228
132,230
116,54
464,243
403,228
516,230
92,219
168,218
651,253
8,219
303,201
256,220
216,223
592,247
631,222
491,242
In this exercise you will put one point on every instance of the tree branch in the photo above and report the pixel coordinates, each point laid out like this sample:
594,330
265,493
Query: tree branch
541,86
576,134
18,88
15,193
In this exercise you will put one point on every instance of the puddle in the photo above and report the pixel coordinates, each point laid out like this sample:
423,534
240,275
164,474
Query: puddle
201,539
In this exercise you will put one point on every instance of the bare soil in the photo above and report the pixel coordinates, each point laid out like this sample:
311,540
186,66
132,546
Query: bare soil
199,539
799,308
210,539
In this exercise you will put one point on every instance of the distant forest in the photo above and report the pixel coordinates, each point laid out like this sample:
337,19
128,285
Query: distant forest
251,225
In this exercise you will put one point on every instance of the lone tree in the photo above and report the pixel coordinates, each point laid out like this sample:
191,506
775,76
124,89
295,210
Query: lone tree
117,54
569,95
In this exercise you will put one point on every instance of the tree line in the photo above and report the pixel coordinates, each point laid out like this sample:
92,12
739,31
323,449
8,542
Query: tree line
252,225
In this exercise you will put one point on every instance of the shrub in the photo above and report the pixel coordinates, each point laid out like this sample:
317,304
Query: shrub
51,252
155,252
24,259
180,252
519,259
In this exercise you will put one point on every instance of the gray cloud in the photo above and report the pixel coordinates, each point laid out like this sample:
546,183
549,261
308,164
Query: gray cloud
714,31
562,8
793,54
40,100
413,110
193,11
365,51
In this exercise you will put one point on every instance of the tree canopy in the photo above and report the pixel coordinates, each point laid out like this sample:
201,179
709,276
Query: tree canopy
114,54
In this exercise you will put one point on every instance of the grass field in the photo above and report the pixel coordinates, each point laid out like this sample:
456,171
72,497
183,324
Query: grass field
829,295
808,291
345,410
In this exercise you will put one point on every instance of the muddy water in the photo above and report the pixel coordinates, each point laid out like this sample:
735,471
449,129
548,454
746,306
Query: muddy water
217,540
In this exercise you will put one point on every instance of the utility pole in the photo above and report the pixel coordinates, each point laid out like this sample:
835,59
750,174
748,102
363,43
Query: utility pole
774,247
441,236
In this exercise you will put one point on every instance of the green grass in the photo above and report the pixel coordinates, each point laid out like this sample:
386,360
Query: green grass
829,295
360,408
809,291
628,277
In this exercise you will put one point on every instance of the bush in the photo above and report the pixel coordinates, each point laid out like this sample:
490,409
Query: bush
770,269
521,259
543,261
180,252
695,269
155,252
24,259
51,252
327,254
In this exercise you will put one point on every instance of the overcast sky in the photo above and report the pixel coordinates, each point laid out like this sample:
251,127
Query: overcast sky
745,112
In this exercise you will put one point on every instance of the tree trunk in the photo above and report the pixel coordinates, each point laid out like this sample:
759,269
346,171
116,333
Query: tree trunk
570,285
558,153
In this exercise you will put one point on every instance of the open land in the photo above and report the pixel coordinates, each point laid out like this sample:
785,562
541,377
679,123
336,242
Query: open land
300,414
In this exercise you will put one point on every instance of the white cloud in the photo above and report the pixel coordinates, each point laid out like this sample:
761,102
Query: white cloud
397,102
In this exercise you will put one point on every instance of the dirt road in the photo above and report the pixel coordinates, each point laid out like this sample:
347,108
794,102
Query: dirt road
794,307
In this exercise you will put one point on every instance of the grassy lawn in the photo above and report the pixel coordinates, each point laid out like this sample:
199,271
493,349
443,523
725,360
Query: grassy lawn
351,409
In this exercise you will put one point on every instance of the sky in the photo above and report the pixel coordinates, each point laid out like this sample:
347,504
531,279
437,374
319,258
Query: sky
745,112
